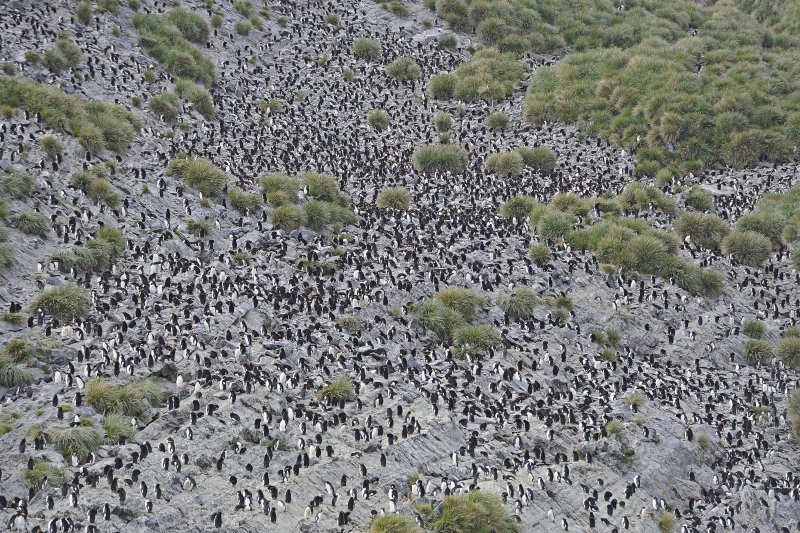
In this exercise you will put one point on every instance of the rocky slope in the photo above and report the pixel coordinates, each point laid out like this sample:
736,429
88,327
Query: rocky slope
257,339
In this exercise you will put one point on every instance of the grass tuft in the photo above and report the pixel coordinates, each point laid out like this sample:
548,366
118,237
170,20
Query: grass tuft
341,388
475,512
66,302
435,158
520,304
394,198
80,441
201,174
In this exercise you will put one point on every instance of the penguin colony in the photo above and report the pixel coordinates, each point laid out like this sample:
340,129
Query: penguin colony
242,442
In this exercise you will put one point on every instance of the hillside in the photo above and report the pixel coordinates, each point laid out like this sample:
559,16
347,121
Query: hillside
315,266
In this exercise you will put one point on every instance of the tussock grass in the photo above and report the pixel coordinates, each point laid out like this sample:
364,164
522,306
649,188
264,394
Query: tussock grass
394,524
32,223
403,68
520,304
707,231
518,207
65,302
99,253
367,49
341,388
462,300
793,410
540,158
747,247
699,199
168,38
80,441
7,259
18,351
475,340
128,400
242,201
754,329
757,351
789,351
615,427
505,163
539,253
17,185
198,227
475,512
116,426
167,105
497,121
201,174
12,375
394,198
438,158
439,319
350,323
97,125
378,119
43,469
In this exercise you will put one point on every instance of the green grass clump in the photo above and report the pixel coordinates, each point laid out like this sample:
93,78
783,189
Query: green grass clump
288,217
116,426
439,319
99,253
32,223
108,6
554,225
475,340
199,97
754,329
243,27
84,13
17,184
539,253
475,512
699,199
442,122
505,164
65,302
433,158
793,410
757,351
394,524
442,86
201,174
667,523
403,68
518,207
19,351
168,38
198,227
7,259
350,323
378,119
80,441
128,400
747,247
447,42
789,351
489,75
615,427
43,469
520,304
367,49
638,197
462,300
242,201
394,198
166,105
97,125
51,146
66,54
12,318
707,231
640,87
539,158
634,398
12,375
776,216
341,388
497,121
